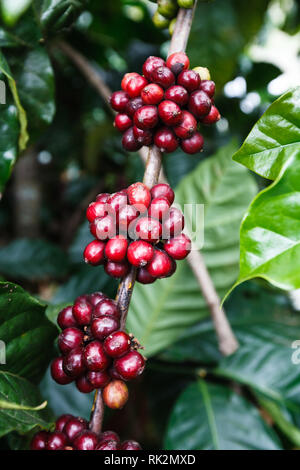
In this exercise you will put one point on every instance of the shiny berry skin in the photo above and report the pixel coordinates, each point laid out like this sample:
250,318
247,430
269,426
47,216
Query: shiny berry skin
152,94
65,318
82,312
69,339
139,196
73,363
133,106
130,366
160,266
170,113
199,104
165,140
203,72
140,253
209,87
96,297
187,127
135,85
146,117
163,190
194,144
56,441
94,252
107,445
148,229
117,344
179,247
151,64
102,197
116,248
127,77
104,326
109,436
163,77
144,277
144,137
116,201
130,445
105,228
84,385
122,122
114,374
212,117
74,427
116,270
159,207
119,100
178,62
174,224
189,79
39,441
86,440
106,307
173,268
98,379
94,356
115,394
127,214
96,209
178,94
61,422
57,372
129,142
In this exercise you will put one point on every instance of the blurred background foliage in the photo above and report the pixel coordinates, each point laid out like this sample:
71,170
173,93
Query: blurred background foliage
73,152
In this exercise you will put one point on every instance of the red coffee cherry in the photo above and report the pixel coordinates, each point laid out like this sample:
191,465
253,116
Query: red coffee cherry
160,266
117,344
65,318
116,270
133,106
140,253
163,190
96,209
178,94
57,372
69,339
163,77
159,207
116,248
139,195
130,366
62,421
127,77
199,104
109,436
148,229
105,227
122,122
212,117
87,440
106,307
94,356
116,201
130,445
119,100
170,113
98,379
194,144
146,117
174,224
56,441
129,142
107,445
144,137
84,385
82,312
135,85
74,427
144,277
39,441
189,79
179,247
96,297
127,214
209,87
102,197
187,127
115,394
104,326
177,62
94,253
73,363
151,64
152,94
165,140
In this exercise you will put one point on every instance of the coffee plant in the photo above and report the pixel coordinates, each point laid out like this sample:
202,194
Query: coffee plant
127,322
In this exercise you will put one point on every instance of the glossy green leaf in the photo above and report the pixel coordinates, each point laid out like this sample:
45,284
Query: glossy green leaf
275,138
160,312
9,129
213,417
55,15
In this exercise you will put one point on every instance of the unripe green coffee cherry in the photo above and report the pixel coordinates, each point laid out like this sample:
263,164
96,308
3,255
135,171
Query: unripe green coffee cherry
203,72
172,26
185,3
167,8
160,21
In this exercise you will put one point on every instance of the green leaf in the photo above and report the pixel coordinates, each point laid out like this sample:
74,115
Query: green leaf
9,129
275,138
16,390
213,417
81,239
55,15
12,10
160,312
26,332
33,259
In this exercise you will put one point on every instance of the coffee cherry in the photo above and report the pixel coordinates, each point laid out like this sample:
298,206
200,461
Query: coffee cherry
86,440
152,94
146,117
167,8
109,436
203,72
73,363
82,312
94,356
159,207
144,137
65,318
151,64
212,117
209,87
163,190
170,113
114,374
130,445
130,366
179,247
140,253
160,266
178,94
96,297
178,62
117,344
116,270
194,144
144,277
127,77
74,427
57,372
62,421
115,394
165,140
148,229
171,27
133,106
116,248
163,77
187,127
98,379
69,339
39,441
56,441
96,209
135,86
173,268
189,79
94,253
84,385
105,228
199,104
107,445
106,307
129,142
122,122
174,224
104,326
139,196
127,214
119,100
116,201
102,197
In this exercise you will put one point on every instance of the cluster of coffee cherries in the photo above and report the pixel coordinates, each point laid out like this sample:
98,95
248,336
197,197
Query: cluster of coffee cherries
137,227
165,106
165,15
96,353
72,433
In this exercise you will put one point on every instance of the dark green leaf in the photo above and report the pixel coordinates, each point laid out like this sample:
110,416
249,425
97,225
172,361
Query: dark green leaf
9,129
82,238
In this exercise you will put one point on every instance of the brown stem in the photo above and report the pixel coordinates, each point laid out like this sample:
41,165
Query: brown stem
97,413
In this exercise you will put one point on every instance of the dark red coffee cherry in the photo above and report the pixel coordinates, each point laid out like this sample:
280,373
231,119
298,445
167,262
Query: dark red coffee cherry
199,104
139,196
105,228
116,248
69,339
98,379
94,253
122,122
39,441
135,86
84,385
178,62
130,366
130,445
86,440
62,421
129,142
57,372
82,311
170,113
116,270
133,106
187,127
73,363
127,214
107,445
140,253
151,64
174,224
160,266
179,247
144,137
165,140
163,77
94,356
209,87
152,94
189,79
144,277
114,374
65,318
56,441
119,100
116,201
178,94
127,77
109,436
159,207
96,297
194,144
115,394
117,344
74,427
148,229
146,117
106,307
163,190
96,209
212,117
173,268
104,326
